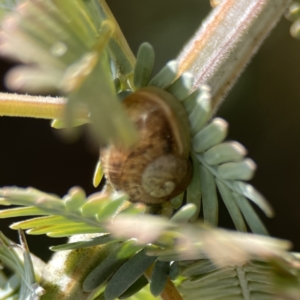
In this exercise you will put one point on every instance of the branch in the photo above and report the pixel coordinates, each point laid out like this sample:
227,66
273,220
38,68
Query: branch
226,41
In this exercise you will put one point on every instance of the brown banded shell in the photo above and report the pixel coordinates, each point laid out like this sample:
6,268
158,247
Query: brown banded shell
157,168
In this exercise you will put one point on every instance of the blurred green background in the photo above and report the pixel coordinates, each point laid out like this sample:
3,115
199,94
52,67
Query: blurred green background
263,111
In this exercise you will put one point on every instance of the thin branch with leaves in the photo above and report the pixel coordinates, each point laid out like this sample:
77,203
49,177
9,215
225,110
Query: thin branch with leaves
141,236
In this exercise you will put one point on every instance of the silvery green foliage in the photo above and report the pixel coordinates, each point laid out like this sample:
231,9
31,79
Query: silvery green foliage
249,280
22,284
216,164
74,215
72,57
133,240
66,56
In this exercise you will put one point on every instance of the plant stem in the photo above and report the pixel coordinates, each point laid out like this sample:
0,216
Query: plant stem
226,41
118,46
217,54
170,291
31,106
53,107
16,105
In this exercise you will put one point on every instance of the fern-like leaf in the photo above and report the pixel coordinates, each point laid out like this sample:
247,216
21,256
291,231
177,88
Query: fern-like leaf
217,165
135,241
249,280
64,46
74,214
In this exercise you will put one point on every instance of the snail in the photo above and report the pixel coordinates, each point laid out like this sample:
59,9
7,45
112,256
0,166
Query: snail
157,168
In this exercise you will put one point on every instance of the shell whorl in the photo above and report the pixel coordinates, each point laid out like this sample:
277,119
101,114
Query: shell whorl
157,168
163,175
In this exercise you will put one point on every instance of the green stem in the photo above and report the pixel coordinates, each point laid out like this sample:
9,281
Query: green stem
16,105
119,48
226,41
53,108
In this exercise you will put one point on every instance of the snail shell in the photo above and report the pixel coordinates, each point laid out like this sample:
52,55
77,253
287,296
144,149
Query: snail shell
157,168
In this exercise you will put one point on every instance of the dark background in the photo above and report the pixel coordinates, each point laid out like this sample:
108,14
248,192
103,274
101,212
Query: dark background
263,111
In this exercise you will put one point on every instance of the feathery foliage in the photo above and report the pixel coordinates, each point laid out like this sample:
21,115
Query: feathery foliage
216,164
249,280
22,285
73,48
69,56
131,247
